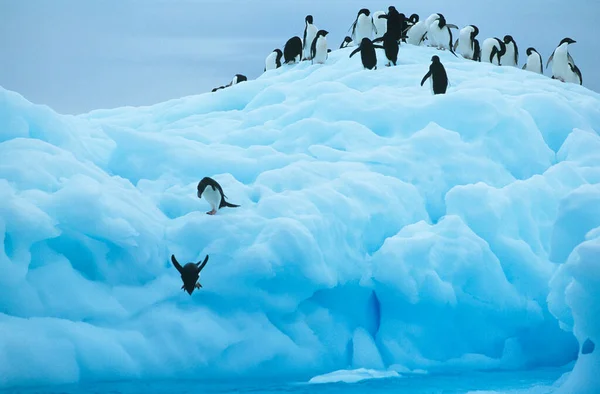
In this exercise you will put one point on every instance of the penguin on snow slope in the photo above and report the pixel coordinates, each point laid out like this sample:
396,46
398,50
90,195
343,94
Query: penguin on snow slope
363,25
439,32
190,273
310,32
534,61
318,48
492,50
367,53
347,42
511,56
467,45
211,191
439,78
417,31
391,47
273,61
563,65
292,51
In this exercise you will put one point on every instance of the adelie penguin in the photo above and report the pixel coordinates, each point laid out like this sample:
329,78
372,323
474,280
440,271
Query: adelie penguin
211,191
391,47
511,56
318,48
347,42
563,65
439,78
190,274
363,26
467,45
440,33
396,23
292,51
534,61
273,61
367,53
310,32
492,50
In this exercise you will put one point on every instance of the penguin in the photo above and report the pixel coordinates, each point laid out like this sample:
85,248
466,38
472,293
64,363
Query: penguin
467,45
431,42
237,78
310,31
318,48
213,194
190,274
292,52
534,61
439,31
492,47
367,53
273,61
363,26
390,45
511,57
347,42
380,24
219,88
439,78
417,32
563,65
396,22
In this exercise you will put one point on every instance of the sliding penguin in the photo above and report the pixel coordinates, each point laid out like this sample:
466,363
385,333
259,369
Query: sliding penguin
563,65
534,61
347,42
390,45
467,45
310,32
439,78
273,61
211,191
292,52
511,57
367,53
237,78
318,48
492,48
363,25
190,274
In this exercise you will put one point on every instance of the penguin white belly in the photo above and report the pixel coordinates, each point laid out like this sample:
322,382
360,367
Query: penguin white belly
271,61
560,65
415,33
428,25
364,28
321,50
311,33
442,36
213,197
534,63
508,59
486,49
464,43
380,24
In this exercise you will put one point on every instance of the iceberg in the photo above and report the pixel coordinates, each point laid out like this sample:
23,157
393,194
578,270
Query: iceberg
381,228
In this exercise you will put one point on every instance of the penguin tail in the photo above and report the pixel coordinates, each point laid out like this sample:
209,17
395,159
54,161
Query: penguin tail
227,204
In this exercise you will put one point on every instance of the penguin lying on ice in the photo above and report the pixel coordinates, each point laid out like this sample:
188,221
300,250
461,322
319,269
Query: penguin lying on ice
213,194
190,274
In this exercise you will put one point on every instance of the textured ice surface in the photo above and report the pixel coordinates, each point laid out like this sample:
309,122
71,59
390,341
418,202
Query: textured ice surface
380,227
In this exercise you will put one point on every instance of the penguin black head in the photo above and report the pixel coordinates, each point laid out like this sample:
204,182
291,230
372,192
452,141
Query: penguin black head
414,18
530,50
567,40
364,11
392,9
309,19
435,59
508,39
475,31
365,42
347,39
322,33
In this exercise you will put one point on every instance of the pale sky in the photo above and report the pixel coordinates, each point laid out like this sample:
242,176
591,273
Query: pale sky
79,55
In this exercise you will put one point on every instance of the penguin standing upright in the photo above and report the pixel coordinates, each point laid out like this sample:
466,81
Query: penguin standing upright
492,50
310,31
437,73
563,65
318,48
466,44
511,56
534,61
396,22
363,26
367,53
391,47
211,191
292,51
273,61
347,42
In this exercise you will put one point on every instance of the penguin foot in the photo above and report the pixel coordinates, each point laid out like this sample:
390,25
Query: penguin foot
214,211
197,285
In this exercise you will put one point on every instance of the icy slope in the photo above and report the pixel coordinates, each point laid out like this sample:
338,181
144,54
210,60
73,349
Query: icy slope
380,227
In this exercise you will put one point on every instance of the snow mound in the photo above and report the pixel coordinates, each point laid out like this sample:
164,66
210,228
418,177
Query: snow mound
379,225
353,376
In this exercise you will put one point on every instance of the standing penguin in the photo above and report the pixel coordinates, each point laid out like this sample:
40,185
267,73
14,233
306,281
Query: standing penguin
467,45
396,22
390,45
211,191
439,31
439,78
190,273
380,24
292,52
318,48
367,53
417,32
563,65
492,50
511,57
363,25
273,61
310,31
347,42
534,61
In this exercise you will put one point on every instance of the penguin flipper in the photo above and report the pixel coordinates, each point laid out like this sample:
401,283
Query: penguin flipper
456,44
378,46
176,263
354,52
200,266
570,59
450,25
426,76
378,39
550,59
524,65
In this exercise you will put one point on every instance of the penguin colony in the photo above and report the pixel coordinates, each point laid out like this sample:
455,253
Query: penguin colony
391,29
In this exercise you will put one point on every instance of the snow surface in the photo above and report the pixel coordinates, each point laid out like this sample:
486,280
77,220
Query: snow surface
353,376
380,227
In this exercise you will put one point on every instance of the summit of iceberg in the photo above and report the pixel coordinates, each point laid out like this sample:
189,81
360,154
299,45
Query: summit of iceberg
380,228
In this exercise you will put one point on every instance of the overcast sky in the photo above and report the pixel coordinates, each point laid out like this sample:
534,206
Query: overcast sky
79,55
